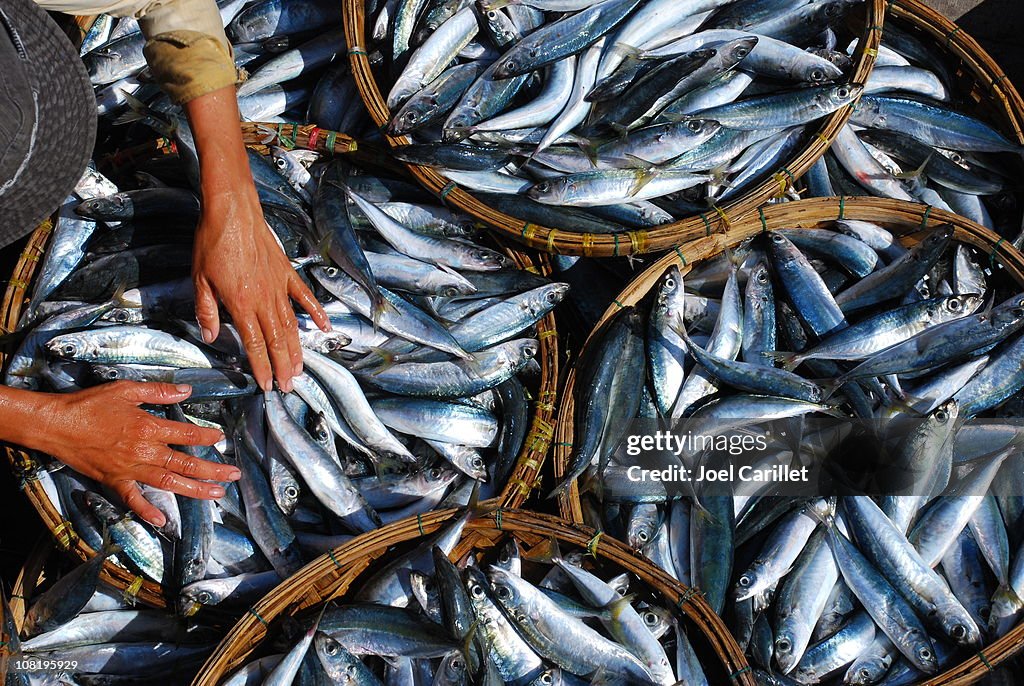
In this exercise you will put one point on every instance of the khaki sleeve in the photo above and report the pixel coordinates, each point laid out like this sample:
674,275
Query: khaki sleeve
186,48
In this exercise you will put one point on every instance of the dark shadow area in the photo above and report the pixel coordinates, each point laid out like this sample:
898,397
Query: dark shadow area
996,25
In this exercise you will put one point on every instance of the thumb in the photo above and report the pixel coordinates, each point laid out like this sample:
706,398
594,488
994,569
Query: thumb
142,393
207,312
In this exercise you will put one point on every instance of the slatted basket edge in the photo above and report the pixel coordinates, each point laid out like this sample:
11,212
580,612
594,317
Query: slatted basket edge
525,477
715,220
905,218
331,575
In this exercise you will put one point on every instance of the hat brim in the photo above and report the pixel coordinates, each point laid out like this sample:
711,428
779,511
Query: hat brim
66,112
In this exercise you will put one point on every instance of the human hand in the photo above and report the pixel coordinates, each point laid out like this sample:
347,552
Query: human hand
102,433
238,262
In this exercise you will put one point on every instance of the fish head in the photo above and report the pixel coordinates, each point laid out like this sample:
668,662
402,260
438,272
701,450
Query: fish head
487,258
525,350
517,60
669,285
958,625
117,206
510,557
425,590
785,651
868,671
843,94
821,72
338,662
508,589
643,526
961,305
452,670
108,373
69,346
735,51
551,191
101,507
658,620
922,652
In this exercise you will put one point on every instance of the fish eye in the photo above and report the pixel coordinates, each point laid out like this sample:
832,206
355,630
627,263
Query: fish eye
546,678
650,618
291,492
742,52
924,654
280,162
410,116
204,597
762,276
778,238
694,125
817,75
745,581
476,591
865,674
434,474
959,631
941,416
510,66
331,648
457,664
68,349
503,592
529,350
331,271
843,92
477,462
670,282
783,645
449,292
955,305
642,536
543,186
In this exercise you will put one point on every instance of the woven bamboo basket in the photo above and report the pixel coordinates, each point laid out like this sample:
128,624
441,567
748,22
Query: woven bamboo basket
331,575
715,220
525,477
910,222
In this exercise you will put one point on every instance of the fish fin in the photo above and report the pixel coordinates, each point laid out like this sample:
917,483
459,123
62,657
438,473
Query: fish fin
718,176
456,134
621,130
789,360
589,148
491,5
560,488
477,509
916,174
545,552
647,172
108,547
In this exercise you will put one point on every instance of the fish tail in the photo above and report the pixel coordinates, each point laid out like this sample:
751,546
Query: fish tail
546,552
108,547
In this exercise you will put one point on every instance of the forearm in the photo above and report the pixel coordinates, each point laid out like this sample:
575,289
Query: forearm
223,163
23,416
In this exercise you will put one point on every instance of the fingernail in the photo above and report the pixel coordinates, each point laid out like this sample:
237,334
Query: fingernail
183,388
216,492
286,385
207,335
159,521
234,475
268,386
298,369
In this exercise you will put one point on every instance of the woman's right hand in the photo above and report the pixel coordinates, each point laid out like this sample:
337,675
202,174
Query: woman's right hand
102,433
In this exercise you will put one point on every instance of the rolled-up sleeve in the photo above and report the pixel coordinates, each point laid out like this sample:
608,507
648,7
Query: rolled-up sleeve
186,48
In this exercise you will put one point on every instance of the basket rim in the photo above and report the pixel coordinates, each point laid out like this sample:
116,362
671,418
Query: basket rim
559,241
911,218
525,476
241,640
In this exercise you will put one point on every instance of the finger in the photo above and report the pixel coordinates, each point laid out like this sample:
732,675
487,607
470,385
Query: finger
175,483
180,433
195,468
207,312
136,502
256,350
277,345
286,315
300,293
150,393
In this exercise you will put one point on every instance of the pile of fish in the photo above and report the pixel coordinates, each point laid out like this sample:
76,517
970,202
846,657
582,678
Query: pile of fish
912,137
292,50
605,116
800,324
513,618
417,396
79,631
